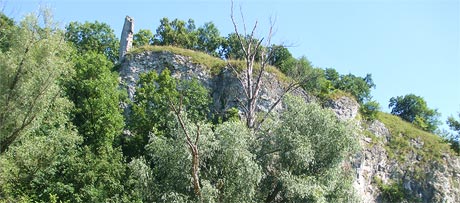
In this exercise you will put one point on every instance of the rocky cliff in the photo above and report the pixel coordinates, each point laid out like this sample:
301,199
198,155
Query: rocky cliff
380,175
225,88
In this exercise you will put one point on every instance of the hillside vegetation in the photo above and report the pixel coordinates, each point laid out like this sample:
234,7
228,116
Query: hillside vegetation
69,133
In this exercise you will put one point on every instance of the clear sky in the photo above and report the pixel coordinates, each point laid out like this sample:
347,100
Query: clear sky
409,46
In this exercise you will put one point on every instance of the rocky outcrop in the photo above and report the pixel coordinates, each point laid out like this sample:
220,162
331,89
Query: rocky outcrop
126,40
421,181
432,181
440,180
226,90
344,107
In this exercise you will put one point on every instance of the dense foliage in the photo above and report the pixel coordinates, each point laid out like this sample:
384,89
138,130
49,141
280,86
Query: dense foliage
36,59
414,109
454,138
65,138
97,37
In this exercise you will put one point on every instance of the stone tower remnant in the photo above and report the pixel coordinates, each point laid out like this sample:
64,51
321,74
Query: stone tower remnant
126,40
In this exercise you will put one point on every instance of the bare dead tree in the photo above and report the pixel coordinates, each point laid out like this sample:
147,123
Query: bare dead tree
251,79
193,146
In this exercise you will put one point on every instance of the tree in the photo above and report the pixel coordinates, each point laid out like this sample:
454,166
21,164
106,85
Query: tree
332,75
176,33
6,26
97,37
232,167
370,109
209,39
414,109
251,79
455,126
30,73
94,91
281,58
33,169
453,123
302,71
151,111
302,153
359,87
142,38
231,47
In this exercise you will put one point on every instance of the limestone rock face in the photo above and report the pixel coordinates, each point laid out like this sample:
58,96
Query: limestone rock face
441,181
344,107
226,90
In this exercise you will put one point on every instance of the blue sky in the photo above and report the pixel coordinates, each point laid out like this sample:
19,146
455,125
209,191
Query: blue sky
409,46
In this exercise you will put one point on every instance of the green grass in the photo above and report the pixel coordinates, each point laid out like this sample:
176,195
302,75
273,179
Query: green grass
400,146
213,64
374,138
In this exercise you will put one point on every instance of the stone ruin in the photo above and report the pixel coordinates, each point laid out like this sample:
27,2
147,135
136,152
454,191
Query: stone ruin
126,40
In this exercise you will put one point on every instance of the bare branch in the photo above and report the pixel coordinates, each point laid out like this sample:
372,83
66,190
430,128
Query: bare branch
239,78
290,88
242,18
236,31
193,147
242,105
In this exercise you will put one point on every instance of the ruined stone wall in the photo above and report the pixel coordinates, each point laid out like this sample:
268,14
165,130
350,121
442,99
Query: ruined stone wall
126,40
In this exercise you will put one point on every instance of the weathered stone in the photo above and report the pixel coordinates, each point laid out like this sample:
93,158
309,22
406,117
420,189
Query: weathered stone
226,90
378,129
344,107
126,40
441,182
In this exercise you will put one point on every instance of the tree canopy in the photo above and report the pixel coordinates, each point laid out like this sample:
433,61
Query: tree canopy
414,109
30,72
93,36
64,137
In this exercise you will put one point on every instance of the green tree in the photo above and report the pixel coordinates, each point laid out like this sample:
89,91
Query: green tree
142,38
140,184
30,73
231,47
359,87
44,161
151,111
332,75
176,33
94,91
370,109
95,177
33,168
209,39
281,58
229,171
232,169
454,125
301,154
97,37
414,109
6,26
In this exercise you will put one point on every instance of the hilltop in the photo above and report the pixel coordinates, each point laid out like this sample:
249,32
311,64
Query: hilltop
396,161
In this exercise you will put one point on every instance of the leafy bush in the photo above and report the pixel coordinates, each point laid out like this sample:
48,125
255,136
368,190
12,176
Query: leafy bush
369,110
392,192
414,109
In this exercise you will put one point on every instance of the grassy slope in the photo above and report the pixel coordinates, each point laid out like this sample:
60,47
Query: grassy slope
402,132
400,146
214,64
